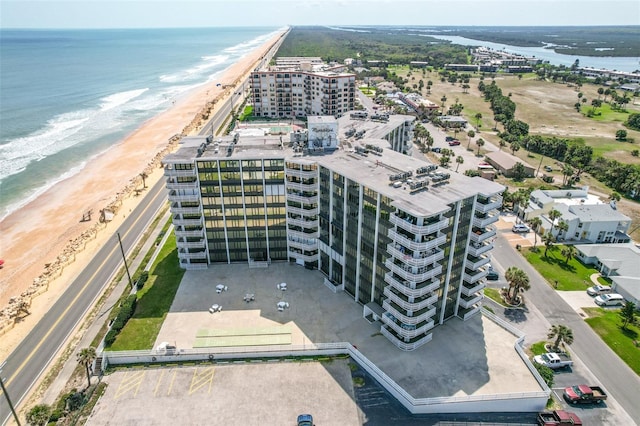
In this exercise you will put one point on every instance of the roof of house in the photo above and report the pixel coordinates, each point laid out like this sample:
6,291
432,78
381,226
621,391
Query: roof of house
623,258
506,160
597,213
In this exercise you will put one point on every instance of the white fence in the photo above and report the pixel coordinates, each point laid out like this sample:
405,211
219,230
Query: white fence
503,402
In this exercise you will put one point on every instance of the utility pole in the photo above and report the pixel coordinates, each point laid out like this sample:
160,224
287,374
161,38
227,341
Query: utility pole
6,395
124,258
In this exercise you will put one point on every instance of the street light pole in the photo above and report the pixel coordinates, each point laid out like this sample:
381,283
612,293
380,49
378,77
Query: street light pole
6,395
124,258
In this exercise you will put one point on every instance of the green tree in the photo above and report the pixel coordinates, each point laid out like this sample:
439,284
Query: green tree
479,144
614,196
444,161
561,334
502,144
621,135
553,215
562,227
628,314
39,415
443,99
518,281
144,177
459,160
548,239
567,172
546,373
600,92
515,146
519,172
535,225
568,252
517,128
478,117
579,156
471,134
86,357
633,122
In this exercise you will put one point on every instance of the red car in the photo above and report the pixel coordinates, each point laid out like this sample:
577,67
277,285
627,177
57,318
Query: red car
454,142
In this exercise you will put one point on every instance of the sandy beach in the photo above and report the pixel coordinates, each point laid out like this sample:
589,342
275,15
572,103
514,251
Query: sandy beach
46,244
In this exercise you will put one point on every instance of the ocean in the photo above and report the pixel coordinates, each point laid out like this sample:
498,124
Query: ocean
68,95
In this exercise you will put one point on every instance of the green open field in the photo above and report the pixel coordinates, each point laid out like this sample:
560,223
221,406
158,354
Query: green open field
571,276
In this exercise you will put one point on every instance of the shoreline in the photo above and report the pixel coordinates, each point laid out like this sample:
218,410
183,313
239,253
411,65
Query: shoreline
45,243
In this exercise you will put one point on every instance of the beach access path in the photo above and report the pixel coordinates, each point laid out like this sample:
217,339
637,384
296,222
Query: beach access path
38,233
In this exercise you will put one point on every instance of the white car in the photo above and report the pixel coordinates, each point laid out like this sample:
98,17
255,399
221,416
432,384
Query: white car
520,227
611,299
598,289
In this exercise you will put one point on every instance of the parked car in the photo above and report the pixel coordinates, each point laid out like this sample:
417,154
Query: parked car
493,275
436,149
548,169
454,142
558,418
598,289
520,227
305,420
611,299
449,138
553,360
583,394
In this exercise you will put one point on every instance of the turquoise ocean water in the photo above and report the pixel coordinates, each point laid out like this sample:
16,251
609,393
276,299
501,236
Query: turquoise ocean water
68,95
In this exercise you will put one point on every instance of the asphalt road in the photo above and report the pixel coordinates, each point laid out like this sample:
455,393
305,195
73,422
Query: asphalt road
613,374
30,359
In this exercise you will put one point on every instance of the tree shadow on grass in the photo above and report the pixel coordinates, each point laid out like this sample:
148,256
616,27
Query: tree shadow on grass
631,334
164,280
560,263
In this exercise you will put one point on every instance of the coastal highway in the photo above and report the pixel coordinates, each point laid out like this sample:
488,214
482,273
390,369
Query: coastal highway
34,354
613,374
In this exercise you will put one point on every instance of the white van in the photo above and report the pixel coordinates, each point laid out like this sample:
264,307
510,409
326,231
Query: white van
612,299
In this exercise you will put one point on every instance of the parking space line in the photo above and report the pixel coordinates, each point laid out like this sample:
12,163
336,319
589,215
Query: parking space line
157,388
173,378
130,381
201,378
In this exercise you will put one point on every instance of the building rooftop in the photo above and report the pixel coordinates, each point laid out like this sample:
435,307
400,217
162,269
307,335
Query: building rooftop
597,213
506,160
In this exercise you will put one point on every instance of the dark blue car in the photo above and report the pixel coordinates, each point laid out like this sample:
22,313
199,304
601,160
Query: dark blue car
305,420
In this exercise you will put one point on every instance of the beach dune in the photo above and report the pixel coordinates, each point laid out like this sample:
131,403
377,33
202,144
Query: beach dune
46,243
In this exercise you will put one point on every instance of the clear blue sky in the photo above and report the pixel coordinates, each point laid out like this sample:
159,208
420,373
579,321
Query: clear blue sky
211,13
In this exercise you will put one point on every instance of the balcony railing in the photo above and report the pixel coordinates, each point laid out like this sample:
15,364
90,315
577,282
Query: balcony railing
418,229
487,205
406,272
418,317
302,256
304,174
303,212
402,345
405,304
182,185
475,276
186,222
484,234
408,331
416,246
190,244
313,199
477,262
424,259
468,313
173,197
469,291
412,289
468,303
478,249
197,255
481,222
309,224
304,245
179,173
186,210
184,234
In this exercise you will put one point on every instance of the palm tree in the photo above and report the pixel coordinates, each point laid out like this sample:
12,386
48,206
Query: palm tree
518,280
627,314
535,224
553,215
502,144
459,160
443,99
479,143
567,171
563,226
144,177
562,334
568,252
471,134
548,239
478,117
86,357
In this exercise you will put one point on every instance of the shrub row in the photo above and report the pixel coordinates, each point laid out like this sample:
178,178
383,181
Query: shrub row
125,312
140,279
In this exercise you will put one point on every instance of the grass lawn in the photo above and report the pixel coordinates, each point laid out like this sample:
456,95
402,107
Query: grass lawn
571,276
538,348
154,301
494,294
607,324
604,113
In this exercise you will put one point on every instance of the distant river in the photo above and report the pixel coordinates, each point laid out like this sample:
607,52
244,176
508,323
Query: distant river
624,63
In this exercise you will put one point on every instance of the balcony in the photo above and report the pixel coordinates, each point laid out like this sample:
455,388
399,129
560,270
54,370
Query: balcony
192,233
301,186
470,290
477,249
407,331
477,262
313,199
468,313
303,174
485,205
190,244
412,289
308,224
178,221
418,229
182,185
401,300
175,197
422,259
304,257
196,255
303,212
414,245
407,272
482,222
169,172
186,210
475,276
468,303
418,317
479,235
302,235
403,345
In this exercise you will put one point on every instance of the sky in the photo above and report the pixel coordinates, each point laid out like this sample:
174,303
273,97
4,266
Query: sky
276,13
